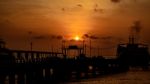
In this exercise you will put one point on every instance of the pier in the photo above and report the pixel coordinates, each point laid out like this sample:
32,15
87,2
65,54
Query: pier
36,67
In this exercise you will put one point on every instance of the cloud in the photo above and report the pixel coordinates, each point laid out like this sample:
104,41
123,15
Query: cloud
115,1
79,5
98,10
137,26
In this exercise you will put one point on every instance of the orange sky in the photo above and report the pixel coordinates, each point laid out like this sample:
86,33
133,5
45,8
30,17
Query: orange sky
70,18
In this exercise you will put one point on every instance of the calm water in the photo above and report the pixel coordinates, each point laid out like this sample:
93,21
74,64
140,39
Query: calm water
130,77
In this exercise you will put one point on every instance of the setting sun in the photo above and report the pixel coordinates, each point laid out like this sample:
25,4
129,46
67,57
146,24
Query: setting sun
77,38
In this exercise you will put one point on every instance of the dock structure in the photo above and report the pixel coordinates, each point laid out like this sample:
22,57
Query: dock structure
36,67
33,67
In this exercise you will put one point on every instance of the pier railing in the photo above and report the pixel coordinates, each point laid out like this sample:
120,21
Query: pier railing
33,56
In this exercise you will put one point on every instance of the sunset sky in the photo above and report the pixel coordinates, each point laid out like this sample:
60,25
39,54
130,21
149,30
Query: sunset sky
70,18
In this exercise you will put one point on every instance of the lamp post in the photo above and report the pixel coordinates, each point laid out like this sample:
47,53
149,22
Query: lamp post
90,46
31,43
84,47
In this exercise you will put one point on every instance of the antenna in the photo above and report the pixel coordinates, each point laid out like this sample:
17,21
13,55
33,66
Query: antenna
31,42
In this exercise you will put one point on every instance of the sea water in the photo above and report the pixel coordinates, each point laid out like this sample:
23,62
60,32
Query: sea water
130,77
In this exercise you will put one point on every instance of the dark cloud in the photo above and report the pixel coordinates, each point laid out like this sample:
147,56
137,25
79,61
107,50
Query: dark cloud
86,36
79,5
63,9
94,37
99,10
56,37
48,37
96,5
39,37
90,36
115,1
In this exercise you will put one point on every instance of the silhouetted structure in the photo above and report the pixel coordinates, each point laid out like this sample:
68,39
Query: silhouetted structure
134,53
36,67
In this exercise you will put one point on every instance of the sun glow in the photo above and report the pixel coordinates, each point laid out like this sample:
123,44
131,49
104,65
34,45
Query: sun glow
77,38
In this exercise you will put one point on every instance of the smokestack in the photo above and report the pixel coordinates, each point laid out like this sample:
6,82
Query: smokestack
134,33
